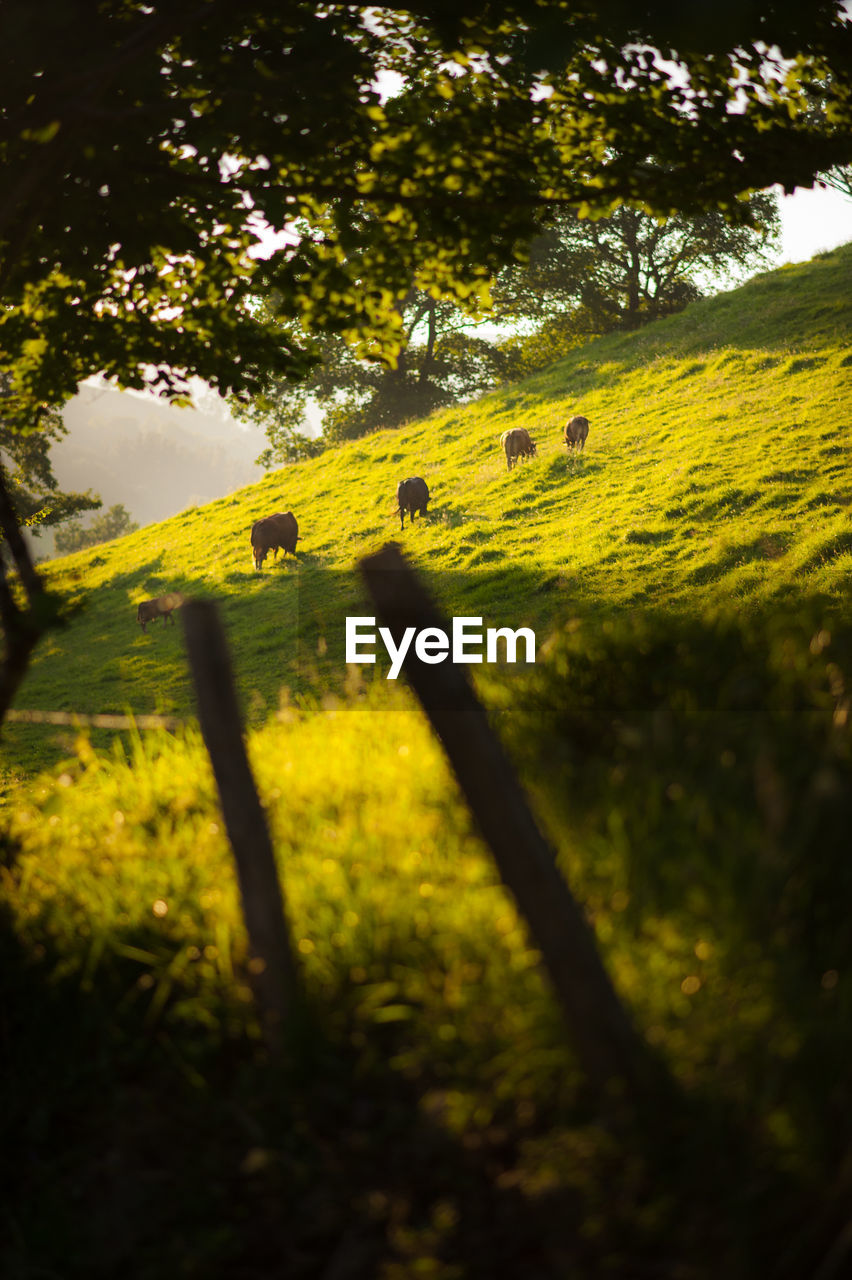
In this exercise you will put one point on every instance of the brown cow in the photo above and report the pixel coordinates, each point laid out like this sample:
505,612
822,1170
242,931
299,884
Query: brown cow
160,607
517,443
411,495
576,431
271,532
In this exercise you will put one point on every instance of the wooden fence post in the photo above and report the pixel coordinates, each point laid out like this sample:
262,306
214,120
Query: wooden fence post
608,1047
274,971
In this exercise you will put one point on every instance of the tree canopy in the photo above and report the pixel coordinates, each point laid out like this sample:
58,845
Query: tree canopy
441,361
113,523
33,488
629,268
584,277
144,144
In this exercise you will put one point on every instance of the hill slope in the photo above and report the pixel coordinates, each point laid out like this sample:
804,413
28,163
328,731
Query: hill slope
716,470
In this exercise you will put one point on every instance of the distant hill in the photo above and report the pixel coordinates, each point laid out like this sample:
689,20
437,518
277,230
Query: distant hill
155,459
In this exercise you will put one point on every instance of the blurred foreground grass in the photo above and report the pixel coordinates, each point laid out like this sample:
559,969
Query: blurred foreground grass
696,777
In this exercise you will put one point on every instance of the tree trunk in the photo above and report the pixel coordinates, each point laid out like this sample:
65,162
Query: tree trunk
22,627
428,358
634,262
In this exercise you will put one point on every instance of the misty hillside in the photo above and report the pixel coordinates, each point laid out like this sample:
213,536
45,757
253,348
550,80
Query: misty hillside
155,459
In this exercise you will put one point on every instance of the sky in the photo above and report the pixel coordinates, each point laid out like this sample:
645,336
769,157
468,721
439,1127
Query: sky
811,221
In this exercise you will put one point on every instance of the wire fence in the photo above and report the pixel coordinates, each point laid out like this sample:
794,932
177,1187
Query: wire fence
102,720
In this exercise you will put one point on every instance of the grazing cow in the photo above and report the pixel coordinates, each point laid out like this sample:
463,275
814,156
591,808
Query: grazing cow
161,607
517,443
272,532
576,430
411,495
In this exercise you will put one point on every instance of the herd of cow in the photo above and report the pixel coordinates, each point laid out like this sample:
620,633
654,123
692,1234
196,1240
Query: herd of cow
281,532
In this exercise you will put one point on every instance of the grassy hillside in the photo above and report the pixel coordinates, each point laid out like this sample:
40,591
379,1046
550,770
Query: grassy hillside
717,470
687,740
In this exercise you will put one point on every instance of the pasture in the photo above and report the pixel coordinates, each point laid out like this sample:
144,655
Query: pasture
685,736
715,473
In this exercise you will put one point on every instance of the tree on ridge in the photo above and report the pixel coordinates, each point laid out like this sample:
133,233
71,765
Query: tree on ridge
113,523
584,277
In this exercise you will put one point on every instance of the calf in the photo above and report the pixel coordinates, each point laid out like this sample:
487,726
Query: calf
575,432
160,607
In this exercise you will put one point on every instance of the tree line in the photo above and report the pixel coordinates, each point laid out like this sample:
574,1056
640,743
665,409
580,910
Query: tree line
581,278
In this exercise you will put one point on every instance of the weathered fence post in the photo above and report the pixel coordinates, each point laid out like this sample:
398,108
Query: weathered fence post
275,975
608,1047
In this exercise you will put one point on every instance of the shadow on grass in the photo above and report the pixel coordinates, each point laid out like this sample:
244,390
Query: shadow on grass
451,517
765,547
144,1145
831,549
705,768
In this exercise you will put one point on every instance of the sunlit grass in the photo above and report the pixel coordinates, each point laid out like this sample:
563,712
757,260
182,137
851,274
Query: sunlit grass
716,469
396,913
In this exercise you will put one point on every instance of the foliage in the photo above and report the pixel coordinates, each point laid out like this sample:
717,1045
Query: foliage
624,270
29,475
526,353
112,524
275,112
289,445
440,362
584,278
29,496
837,176
839,179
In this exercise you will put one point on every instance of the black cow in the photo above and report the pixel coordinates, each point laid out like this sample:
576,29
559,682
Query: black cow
272,532
411,495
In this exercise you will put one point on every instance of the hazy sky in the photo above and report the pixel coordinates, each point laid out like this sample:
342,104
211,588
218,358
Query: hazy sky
813,220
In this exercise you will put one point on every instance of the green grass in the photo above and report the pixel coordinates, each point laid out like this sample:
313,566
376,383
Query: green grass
686,740
717,468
